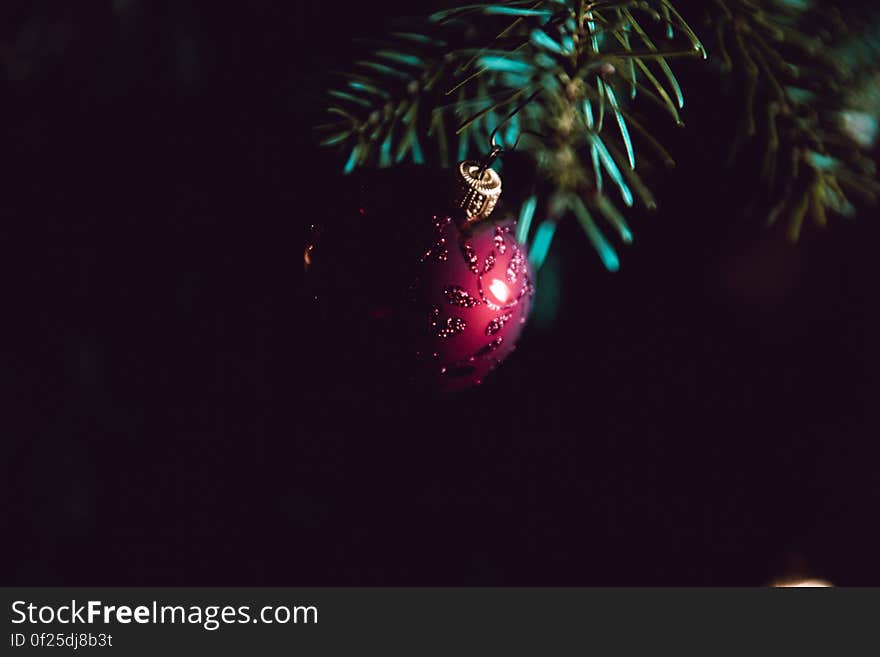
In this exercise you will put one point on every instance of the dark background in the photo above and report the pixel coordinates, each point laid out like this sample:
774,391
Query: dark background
179,416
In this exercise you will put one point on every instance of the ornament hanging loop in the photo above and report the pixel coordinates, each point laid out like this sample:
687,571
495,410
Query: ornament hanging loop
493,155
497,149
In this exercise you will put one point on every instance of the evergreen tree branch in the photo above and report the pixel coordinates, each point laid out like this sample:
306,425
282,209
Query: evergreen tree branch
795,93
457,78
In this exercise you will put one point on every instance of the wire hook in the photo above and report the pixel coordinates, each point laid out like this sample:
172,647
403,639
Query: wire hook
497,149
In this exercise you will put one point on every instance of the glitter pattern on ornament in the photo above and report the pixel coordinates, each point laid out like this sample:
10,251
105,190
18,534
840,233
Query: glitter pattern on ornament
477,298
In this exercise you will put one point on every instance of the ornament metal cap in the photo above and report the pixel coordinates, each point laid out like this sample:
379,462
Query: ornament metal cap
477,189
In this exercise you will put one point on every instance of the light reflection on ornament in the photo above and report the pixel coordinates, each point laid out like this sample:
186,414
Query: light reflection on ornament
499,290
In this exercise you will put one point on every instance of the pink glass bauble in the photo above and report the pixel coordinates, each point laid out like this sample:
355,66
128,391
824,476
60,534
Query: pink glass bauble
475,290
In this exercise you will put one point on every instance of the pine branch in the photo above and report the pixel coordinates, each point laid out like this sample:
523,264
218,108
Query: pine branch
457,77
795,100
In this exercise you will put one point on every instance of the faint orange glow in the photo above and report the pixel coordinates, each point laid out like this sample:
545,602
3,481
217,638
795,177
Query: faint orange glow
500,290
307,256
802,583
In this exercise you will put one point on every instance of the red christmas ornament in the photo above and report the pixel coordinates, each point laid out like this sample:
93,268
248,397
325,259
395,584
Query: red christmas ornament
475,286
410,302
